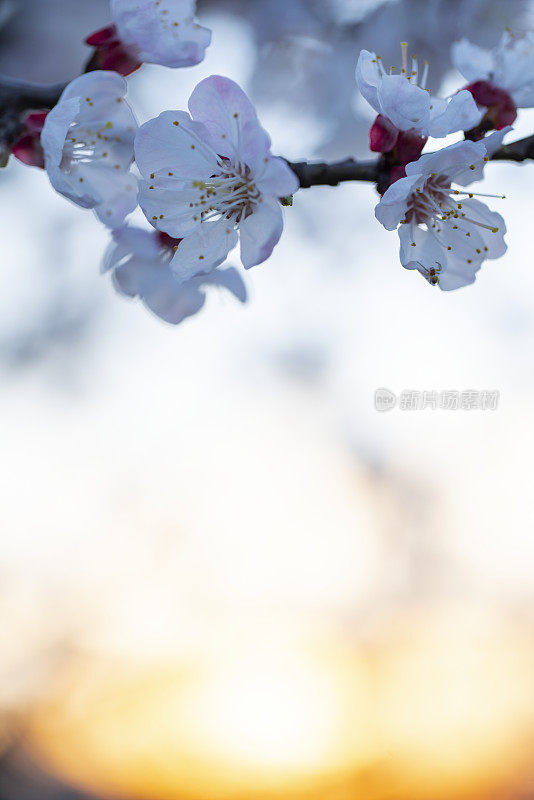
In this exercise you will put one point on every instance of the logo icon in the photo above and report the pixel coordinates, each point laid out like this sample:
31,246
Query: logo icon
385,400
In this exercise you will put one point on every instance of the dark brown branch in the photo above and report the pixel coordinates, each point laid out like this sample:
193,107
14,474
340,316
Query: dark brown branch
19,96
522,150
16,97
323,174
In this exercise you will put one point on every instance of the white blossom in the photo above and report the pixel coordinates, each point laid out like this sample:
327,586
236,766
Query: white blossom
140,264
508,66
445,232
88,141
210,176
403,98
161,31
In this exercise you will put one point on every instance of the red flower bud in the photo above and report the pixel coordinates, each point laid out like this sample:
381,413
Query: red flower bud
383,135
110,53
409,146
502,110
28,147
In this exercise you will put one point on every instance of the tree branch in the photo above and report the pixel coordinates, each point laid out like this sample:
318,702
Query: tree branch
19,96
16,97
522,150
324,174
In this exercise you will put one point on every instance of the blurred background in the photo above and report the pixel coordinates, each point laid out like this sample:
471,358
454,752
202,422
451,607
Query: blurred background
223,574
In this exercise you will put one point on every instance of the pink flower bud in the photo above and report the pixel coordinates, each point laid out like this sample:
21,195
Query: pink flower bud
383,135
502,110
27,148
111,53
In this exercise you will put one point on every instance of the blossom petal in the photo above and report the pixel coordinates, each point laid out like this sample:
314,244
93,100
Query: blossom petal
172,206
128,240
229,278
161,33
55,129
428,253
368,78
419,248
450,161
172,301
472,61
492,240
458,274
115,194
393,205
277,178
174,141
100,90
204,250
466,175
260,233
514,58
224,108
406,105
461,113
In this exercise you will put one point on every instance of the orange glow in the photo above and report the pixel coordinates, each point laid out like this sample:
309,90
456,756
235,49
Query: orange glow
417,715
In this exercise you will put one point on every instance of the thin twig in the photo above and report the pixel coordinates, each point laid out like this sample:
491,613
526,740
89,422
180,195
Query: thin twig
324,174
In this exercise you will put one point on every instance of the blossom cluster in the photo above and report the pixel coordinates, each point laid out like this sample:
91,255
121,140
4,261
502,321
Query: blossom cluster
207,181
445,232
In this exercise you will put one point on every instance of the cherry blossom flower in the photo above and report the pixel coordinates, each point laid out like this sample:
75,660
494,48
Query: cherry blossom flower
28,148
211,176
501,79
140,264
445,232
88,141
407,113
154,31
